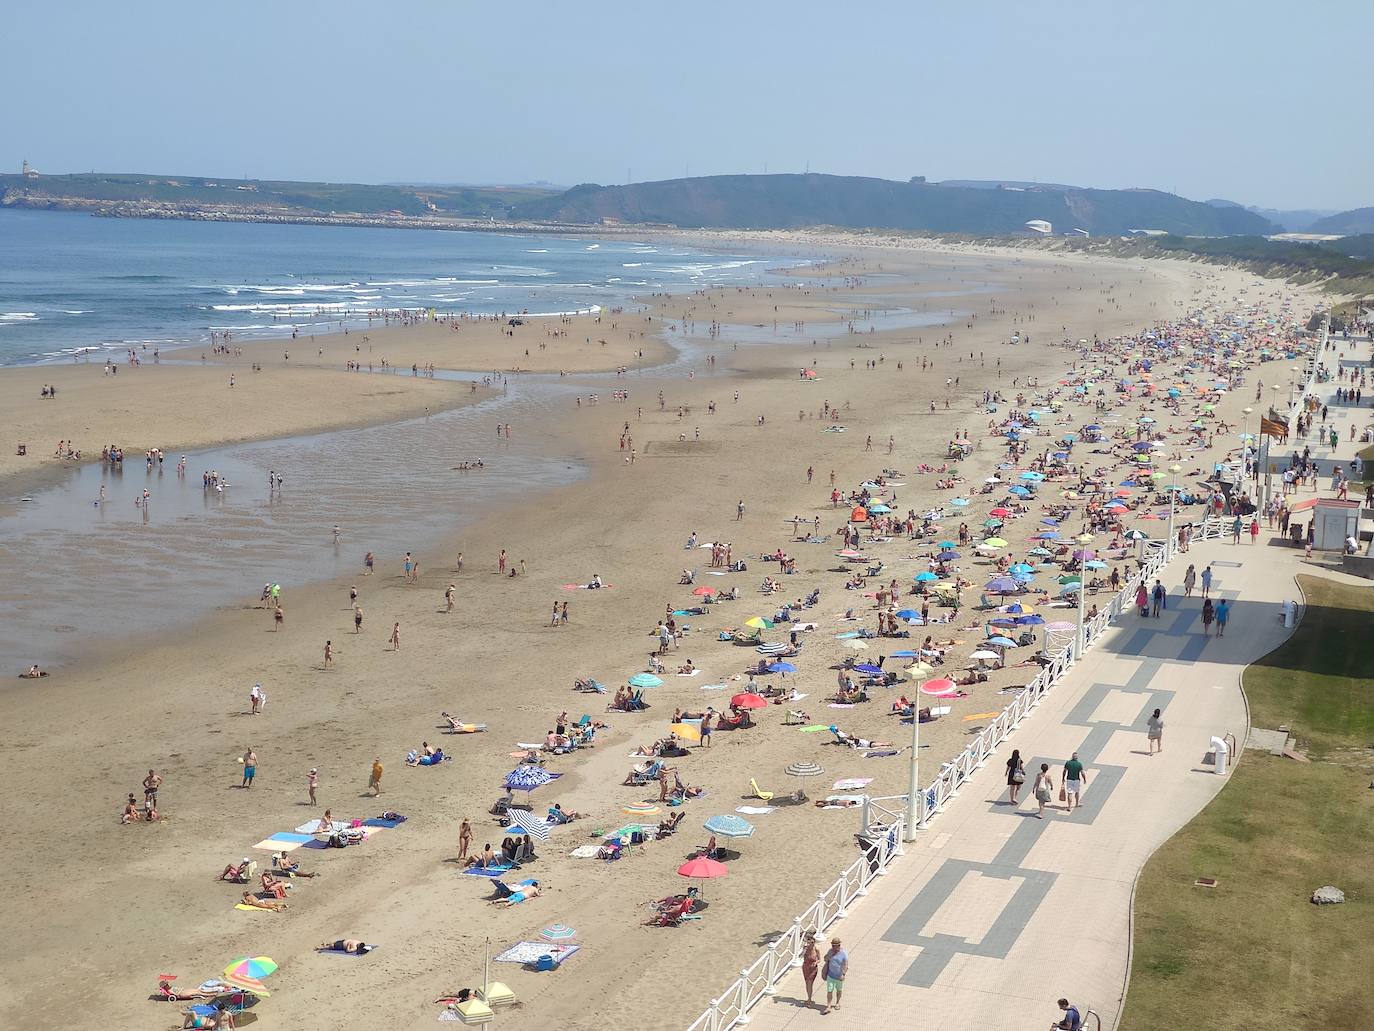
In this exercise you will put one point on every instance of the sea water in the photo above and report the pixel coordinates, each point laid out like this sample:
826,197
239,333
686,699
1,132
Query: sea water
71,282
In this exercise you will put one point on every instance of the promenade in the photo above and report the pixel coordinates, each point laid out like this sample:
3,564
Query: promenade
994,914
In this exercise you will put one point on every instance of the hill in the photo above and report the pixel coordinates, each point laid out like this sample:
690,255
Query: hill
99,191
1347,223
794,201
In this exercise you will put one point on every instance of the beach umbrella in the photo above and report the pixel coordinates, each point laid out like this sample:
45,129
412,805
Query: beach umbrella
804,768
1021,568
905,614
702,869
255,968
1071,588
645,680
1018,609
868,667
1000,642
1019,491
947,545
248,984
925,577
688,731
749,700
1070,578
918,670
535,826
859,515
1031,620
527,777
992,524
1039,552
1086,538
849,553
993,542
947,556
1000,511
982,654
905,653
759,623
1096,563
728,825
558,933
641,809
879,509
1032,476
959,502
1002,585
1083,554
782,667
1048,535
857,645
1136,535
939,687
705,592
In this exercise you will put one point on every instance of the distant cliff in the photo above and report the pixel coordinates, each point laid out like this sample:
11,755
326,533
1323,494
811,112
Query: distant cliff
794,201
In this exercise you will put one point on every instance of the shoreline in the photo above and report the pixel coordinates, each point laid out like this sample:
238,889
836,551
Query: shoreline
625,522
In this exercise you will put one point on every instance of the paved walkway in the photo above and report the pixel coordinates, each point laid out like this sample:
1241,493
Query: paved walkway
993,914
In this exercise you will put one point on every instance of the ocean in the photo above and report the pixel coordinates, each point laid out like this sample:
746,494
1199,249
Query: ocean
70,282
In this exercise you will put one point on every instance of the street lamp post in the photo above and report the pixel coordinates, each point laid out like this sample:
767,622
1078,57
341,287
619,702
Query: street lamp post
915,798
1245,440
1174,470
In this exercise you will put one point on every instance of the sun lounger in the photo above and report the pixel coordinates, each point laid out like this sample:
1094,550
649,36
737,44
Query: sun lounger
767,796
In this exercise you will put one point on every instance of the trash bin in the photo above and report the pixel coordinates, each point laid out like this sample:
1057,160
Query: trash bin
1290,608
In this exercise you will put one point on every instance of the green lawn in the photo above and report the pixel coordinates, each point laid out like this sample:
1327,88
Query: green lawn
1254,953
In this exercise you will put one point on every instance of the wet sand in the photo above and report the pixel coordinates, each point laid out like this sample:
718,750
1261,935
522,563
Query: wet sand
117,905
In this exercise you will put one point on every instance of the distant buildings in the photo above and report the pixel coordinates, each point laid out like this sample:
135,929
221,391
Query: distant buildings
29,171
1039,227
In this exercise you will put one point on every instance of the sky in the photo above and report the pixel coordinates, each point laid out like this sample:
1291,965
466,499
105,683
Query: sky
1254,102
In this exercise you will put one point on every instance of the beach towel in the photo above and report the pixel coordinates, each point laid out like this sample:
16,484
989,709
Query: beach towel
840,705
491,871
882,754
584,587
530,745
815,728
289,837
378,822
624,832
849,783
980,716
713,687
756,810
249,909
529,952
585,852
691,674
341,952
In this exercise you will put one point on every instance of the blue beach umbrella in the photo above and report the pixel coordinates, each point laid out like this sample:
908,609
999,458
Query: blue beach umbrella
925,577
1000,642
947,556
645,680
907,614
1002,585
527,778
782,667
728,825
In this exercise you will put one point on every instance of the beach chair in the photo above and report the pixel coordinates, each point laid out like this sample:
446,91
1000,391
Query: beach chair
710,850
641,775
767,796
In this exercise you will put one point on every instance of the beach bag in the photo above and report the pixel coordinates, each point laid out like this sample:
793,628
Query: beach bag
1018,775
1063,795
1042,793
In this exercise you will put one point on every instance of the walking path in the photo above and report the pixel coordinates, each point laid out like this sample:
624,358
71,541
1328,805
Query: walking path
993,914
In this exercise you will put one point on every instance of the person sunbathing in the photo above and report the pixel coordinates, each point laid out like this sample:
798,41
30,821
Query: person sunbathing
527,891
273,886
836,803
33,673
290,869
859,742
485,861
669,824
214,991
557,814
686,669
235,873
457,726
969,676
350,945
275,905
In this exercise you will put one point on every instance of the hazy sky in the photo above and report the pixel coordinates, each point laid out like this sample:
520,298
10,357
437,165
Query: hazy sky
1210,98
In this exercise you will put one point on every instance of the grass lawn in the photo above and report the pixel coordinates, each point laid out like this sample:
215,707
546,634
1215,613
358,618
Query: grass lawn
1253,953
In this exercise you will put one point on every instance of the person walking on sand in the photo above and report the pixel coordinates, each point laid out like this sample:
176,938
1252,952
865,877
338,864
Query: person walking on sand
836,969
1154,732
374,783
312,781
328,654
1223,613
811,966
368,562
357,619
1075,780
501,562
448,597
459,563
1208,614
395,637
464,838
150,785
1207,580
739,510
1189,581
1016,775
278,617
553,619
1044,787
563,614
707,720
250,767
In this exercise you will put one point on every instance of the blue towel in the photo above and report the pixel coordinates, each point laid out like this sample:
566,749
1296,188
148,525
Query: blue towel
288,837
491,871
377,821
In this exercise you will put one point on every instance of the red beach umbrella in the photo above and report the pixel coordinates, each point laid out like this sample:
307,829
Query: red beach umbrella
749,700
939,687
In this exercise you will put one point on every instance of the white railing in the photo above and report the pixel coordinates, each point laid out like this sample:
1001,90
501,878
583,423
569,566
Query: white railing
884,817
758,980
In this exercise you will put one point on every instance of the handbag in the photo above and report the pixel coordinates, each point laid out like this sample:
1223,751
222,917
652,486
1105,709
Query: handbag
1018,775
1063,795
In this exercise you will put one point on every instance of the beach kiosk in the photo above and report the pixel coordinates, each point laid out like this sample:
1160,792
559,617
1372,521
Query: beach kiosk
1333,521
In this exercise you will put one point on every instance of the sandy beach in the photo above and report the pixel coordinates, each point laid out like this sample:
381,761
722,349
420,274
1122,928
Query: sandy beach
719,414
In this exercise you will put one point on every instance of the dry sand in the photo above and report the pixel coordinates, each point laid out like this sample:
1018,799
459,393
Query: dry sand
101,904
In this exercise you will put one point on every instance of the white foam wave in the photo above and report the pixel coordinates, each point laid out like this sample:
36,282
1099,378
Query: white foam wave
18,316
